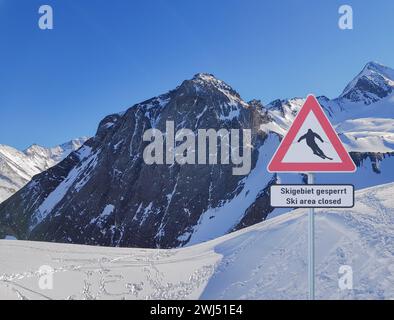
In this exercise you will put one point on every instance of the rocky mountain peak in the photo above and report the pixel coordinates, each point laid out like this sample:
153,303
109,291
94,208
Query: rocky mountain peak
373,83
205,84
380,68
204,76
202,101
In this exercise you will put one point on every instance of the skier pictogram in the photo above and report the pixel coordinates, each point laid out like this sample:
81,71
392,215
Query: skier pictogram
310,137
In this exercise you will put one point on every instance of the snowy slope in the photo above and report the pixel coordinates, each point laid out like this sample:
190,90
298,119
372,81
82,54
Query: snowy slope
265,261
18,167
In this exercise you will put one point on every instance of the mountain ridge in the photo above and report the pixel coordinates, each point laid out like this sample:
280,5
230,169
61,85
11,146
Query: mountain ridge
105,194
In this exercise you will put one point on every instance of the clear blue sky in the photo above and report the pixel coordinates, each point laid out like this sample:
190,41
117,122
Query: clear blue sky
104,56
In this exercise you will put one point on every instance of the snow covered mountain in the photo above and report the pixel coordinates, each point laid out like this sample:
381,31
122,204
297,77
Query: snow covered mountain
17,168
105,194
265,261
373,83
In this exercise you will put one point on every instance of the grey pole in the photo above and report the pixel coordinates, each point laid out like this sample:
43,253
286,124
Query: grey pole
311,245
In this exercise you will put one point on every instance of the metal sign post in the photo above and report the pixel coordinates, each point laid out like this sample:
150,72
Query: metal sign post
311,145
311,245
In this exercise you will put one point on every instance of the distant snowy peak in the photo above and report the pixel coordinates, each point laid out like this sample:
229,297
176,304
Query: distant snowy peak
282,114
373,83
286,110
47,157
73,144
286,107
18,167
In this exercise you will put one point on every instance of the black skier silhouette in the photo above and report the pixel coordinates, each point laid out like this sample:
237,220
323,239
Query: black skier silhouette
310,141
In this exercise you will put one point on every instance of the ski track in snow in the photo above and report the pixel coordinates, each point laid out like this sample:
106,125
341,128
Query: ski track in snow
265,261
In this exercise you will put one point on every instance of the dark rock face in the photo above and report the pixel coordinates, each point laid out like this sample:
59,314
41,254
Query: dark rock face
375,158
105,194
367,90
260,209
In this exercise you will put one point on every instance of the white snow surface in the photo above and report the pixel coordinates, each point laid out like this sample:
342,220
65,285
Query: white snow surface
265,261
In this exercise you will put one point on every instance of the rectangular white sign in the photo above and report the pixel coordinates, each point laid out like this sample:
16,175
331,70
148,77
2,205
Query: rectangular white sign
312,196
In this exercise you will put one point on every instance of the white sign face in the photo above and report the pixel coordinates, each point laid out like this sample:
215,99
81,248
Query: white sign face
312,196
307,146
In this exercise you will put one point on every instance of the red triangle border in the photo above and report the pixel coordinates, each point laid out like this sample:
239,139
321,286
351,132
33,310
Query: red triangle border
311,105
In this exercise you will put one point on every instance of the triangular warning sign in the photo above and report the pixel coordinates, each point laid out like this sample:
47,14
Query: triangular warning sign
311,144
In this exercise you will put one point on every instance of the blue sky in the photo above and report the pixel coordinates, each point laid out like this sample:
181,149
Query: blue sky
104,56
